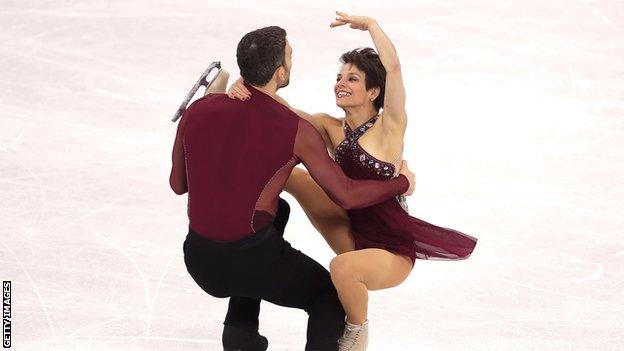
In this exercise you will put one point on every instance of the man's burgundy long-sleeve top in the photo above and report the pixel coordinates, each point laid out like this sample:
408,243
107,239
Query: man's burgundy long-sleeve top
239,154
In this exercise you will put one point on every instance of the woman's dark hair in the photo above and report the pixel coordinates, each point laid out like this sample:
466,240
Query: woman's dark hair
367,61
260,53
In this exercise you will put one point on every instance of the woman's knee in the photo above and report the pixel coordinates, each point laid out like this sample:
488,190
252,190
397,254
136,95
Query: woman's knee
341,269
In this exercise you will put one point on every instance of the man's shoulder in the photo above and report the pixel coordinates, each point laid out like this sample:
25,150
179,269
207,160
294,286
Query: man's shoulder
219,102
213,97
222,105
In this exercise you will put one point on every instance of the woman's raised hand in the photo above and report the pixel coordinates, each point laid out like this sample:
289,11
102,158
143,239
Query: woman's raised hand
238,90
355,22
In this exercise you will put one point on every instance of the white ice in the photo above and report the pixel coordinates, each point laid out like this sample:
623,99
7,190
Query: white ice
516,134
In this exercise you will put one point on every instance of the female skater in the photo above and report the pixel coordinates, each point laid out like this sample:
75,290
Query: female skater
377,246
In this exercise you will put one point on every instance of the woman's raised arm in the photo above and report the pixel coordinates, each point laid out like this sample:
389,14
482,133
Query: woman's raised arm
394,100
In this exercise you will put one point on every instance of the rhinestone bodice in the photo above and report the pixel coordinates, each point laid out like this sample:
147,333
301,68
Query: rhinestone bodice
387,225
355,161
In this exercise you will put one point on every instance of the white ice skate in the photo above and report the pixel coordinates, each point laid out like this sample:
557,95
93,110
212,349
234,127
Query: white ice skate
354,338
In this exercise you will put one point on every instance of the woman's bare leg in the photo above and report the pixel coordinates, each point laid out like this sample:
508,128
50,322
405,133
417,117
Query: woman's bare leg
327,217
354,273
219,84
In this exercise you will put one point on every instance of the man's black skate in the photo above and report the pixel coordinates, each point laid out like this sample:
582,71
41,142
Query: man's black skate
235,339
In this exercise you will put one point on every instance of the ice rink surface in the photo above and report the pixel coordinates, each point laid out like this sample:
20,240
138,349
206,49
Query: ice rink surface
516,136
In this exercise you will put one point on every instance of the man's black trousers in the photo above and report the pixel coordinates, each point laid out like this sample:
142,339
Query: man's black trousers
264,266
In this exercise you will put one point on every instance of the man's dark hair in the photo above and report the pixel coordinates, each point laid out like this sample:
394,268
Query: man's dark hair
367,61
260,53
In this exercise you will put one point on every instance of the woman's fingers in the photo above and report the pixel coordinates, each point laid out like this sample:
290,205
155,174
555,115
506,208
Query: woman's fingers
238,90
236,93
244,90
230,92
340,20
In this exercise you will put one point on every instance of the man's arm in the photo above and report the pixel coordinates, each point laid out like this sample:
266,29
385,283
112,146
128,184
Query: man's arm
317,120
344,191
177,178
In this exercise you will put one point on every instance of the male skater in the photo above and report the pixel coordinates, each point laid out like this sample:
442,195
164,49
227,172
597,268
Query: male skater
234,157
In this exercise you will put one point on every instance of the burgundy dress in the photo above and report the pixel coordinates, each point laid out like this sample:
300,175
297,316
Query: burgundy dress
387,225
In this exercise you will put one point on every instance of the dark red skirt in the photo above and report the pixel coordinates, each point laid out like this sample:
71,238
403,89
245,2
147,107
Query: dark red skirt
388,226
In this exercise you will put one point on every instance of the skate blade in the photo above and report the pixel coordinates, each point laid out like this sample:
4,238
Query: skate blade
202,81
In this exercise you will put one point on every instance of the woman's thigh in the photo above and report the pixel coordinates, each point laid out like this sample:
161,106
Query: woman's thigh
327,217
376,268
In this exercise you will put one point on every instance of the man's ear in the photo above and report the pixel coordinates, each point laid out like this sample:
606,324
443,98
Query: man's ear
281,73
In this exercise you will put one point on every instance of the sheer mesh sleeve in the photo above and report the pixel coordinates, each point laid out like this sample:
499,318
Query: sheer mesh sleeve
177,178
344,191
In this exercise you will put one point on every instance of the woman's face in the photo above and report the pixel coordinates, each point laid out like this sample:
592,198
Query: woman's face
350,88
